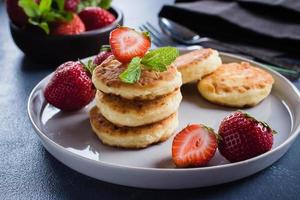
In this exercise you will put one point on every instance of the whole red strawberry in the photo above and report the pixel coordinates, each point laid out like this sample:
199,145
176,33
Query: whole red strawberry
71,5
75,26
243,137
95,17
70,88
105,52
16,13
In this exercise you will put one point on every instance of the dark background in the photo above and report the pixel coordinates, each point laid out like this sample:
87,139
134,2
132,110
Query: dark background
27,171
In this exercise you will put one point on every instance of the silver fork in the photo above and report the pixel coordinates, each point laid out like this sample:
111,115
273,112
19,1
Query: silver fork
159,39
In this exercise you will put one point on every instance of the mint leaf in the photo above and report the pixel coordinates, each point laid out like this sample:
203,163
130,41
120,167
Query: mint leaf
30,8
156,60
159,59
133,72
105,4
60,4
42,25
67,16
45,5
51,16
45,12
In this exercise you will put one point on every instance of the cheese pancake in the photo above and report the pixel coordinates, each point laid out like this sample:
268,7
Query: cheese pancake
132,137
236,85
196,64
150,85
124,112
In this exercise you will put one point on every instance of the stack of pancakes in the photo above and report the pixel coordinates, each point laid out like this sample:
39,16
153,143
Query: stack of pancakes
135,115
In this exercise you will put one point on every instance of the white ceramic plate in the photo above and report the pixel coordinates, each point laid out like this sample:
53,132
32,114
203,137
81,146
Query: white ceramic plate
69,138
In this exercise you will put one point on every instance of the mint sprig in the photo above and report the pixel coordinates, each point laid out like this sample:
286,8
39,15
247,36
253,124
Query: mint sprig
44,13
133,72
155,60
159,59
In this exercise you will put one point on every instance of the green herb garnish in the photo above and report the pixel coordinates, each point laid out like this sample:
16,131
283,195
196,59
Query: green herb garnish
159,59
155,60
45,12
133,72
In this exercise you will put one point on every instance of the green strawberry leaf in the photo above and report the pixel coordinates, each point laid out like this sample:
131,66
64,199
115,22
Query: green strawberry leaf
89,66
45,5
133,72
159,59
105,4
105,47
30,8
87,3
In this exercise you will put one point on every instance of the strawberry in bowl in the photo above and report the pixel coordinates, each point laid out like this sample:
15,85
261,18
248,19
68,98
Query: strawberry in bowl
60,28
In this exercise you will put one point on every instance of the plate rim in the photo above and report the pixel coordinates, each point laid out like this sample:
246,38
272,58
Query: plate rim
292,136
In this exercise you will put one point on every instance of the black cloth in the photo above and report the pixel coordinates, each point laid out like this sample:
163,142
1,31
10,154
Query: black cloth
266,25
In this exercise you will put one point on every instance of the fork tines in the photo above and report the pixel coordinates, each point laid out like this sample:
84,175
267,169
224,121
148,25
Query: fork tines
157,37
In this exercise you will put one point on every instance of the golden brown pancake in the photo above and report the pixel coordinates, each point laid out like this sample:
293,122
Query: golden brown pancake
132,137
125,112
150,85
236,85
196,64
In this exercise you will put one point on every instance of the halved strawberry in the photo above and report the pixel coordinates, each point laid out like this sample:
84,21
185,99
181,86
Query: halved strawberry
127,43
194,146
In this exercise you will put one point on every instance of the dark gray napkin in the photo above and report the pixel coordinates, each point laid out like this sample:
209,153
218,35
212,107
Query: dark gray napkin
267,25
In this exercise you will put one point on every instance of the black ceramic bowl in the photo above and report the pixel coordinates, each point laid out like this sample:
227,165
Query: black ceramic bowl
56,49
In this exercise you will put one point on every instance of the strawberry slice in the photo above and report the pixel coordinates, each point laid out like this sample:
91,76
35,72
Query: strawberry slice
194,146
127,43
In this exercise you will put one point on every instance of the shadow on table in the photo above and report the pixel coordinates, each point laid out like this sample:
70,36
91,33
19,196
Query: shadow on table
29,65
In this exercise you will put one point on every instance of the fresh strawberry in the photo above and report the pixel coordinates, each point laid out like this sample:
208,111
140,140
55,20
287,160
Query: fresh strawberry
71,5
101,57
95,17
16,13
127,43
75,26
243,137
70,88
105,52
194,146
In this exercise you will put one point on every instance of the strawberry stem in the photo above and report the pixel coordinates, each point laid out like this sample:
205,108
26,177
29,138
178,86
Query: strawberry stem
105,47
264,124
89,66
211,130
219,138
